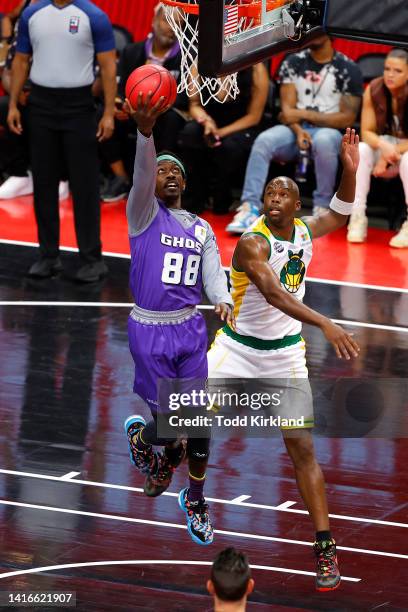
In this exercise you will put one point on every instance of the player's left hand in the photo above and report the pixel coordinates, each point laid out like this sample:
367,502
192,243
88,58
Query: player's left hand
349,152
226,314
106,128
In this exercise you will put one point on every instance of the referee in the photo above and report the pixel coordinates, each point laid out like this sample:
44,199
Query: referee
63,37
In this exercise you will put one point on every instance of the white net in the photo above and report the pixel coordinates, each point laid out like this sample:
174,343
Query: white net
186,27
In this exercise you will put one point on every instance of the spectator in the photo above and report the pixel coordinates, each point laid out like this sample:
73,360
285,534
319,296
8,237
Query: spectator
219,139
230,582
384,150
320,95
161,48
63,121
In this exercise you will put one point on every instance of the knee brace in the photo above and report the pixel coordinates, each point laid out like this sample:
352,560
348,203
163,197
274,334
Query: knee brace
198,449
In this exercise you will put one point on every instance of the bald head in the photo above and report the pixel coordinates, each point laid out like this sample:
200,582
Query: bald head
284,182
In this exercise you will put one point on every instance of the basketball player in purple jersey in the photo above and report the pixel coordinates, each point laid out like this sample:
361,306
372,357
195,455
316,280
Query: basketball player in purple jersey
174,257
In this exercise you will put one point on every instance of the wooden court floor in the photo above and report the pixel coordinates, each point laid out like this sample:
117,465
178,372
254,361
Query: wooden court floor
72,513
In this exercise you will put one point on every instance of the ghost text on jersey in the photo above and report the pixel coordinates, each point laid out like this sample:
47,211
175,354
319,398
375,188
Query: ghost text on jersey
181,242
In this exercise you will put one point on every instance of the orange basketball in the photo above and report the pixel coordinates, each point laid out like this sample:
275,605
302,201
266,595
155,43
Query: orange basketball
152,78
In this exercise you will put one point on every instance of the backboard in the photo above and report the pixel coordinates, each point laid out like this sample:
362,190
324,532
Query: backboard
384,21
234,34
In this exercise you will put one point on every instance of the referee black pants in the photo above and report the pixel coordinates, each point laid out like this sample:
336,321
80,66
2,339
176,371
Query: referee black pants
63,142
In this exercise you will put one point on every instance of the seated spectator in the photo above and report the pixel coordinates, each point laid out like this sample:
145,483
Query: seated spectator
384,150
219,139
320,96
14,150
160,47
230,582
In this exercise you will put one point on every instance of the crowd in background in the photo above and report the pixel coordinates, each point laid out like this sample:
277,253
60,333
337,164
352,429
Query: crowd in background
291,125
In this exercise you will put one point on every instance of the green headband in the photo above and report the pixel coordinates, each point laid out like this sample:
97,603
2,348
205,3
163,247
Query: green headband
171,158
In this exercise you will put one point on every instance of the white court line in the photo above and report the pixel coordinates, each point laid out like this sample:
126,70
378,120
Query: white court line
236,534
227,268
215,500
69,475
240,499
285,505
62,248
315,279
200,307
48,568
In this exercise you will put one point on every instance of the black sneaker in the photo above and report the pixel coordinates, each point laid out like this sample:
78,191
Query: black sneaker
145,460
158,482
198,520
45,267
327,572
117,188
91,272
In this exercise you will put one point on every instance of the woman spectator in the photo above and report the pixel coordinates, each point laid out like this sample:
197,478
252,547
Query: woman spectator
219,139
384,150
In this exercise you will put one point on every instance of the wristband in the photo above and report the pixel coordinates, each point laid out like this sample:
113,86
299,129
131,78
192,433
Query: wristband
343,208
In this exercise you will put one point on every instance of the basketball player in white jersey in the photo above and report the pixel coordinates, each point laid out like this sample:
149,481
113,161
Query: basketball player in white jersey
268,272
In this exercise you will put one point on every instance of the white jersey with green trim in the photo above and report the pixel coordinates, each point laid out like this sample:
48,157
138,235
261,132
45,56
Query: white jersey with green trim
289,260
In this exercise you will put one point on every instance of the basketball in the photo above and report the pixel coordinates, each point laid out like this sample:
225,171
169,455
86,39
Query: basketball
152,78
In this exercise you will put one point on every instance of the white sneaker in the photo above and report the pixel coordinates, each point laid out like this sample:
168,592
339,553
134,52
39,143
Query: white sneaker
318,210
63,190
16,186
357,228
400,240
246,215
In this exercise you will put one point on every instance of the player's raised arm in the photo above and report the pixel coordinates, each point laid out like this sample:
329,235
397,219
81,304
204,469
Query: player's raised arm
142,204
252,257
341,204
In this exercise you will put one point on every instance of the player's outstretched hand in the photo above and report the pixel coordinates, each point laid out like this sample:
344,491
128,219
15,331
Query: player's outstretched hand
349,152
145,114
226,314
344,344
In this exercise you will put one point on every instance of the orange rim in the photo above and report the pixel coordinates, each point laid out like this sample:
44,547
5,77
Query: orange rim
251,9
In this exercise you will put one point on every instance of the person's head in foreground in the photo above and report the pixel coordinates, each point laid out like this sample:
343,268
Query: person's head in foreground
230,581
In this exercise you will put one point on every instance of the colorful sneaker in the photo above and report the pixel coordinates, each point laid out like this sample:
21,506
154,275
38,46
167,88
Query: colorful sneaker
198,520
159,481
246,215
357,227
400,240
327,572
146,460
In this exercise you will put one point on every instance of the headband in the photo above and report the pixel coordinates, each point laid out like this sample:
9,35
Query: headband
171,158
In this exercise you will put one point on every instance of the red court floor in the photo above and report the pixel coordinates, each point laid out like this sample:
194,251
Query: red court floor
372,263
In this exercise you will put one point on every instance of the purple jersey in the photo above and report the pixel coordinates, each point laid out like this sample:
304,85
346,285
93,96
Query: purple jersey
166,271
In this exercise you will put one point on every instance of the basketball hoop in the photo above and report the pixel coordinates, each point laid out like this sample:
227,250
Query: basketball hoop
183,17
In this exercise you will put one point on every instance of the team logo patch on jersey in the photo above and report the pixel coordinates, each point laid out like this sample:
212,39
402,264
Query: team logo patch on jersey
74,25
278,247
293,272
200,233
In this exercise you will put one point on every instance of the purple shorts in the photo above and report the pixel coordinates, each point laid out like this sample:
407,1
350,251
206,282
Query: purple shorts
167,351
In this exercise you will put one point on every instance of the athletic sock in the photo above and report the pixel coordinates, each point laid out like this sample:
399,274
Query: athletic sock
174,453
195,492
323,536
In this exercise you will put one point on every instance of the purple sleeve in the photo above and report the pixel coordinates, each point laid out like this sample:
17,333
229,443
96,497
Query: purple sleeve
142,205
23,38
